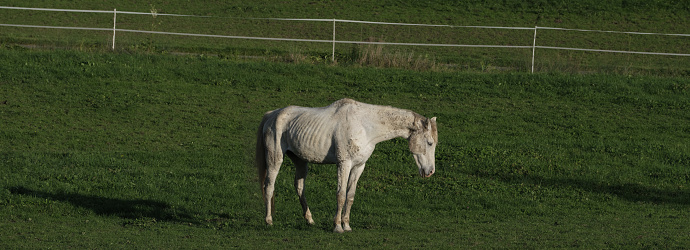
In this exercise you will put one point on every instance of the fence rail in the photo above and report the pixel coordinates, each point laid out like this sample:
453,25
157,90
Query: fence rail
334,41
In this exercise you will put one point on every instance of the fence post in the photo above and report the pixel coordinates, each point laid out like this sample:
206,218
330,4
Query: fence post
534,46
114,25
333,51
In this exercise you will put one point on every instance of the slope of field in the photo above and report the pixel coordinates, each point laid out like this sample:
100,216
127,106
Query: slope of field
118,150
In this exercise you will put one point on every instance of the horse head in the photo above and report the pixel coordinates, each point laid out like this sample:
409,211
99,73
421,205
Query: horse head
423,141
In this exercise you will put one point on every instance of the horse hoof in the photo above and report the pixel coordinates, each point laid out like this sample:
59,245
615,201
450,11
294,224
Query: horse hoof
307,216
338,229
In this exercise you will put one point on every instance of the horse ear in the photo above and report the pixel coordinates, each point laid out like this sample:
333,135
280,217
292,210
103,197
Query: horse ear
429,122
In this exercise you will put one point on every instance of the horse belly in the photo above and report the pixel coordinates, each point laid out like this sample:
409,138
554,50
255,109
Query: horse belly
310,135
312,146
320,153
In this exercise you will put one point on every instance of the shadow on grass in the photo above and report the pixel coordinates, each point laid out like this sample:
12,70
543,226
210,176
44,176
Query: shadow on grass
136,209
628,191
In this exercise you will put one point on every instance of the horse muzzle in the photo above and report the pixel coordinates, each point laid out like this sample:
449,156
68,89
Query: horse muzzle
426,173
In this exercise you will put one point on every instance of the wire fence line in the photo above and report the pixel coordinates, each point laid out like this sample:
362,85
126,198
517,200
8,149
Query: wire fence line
264,38
334,41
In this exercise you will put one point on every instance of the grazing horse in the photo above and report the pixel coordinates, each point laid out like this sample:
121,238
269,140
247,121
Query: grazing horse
343,133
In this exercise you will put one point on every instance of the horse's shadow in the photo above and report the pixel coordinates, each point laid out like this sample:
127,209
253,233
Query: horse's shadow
628,191
123,208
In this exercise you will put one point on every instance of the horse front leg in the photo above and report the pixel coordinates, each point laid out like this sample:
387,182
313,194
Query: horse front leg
343,174
351,189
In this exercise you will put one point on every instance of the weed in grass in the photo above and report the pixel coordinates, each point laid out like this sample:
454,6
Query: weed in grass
375,55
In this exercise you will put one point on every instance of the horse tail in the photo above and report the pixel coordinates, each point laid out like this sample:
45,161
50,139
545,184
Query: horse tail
260,160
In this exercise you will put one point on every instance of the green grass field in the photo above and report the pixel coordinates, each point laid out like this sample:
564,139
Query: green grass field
146,147
118,150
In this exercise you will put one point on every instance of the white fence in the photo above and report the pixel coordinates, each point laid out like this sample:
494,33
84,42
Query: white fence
334,41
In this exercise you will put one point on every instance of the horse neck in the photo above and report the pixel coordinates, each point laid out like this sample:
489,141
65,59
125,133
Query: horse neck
392,123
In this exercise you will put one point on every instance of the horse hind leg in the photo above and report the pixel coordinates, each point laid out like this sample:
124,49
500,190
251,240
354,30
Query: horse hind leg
273,161
301,170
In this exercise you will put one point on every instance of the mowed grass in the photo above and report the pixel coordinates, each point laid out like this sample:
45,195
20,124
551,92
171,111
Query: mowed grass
115,150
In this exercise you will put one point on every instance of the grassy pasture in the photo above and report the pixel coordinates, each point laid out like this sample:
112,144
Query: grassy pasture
620,15
120,150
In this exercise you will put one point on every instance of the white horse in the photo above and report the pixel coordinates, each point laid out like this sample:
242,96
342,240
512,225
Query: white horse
343,133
